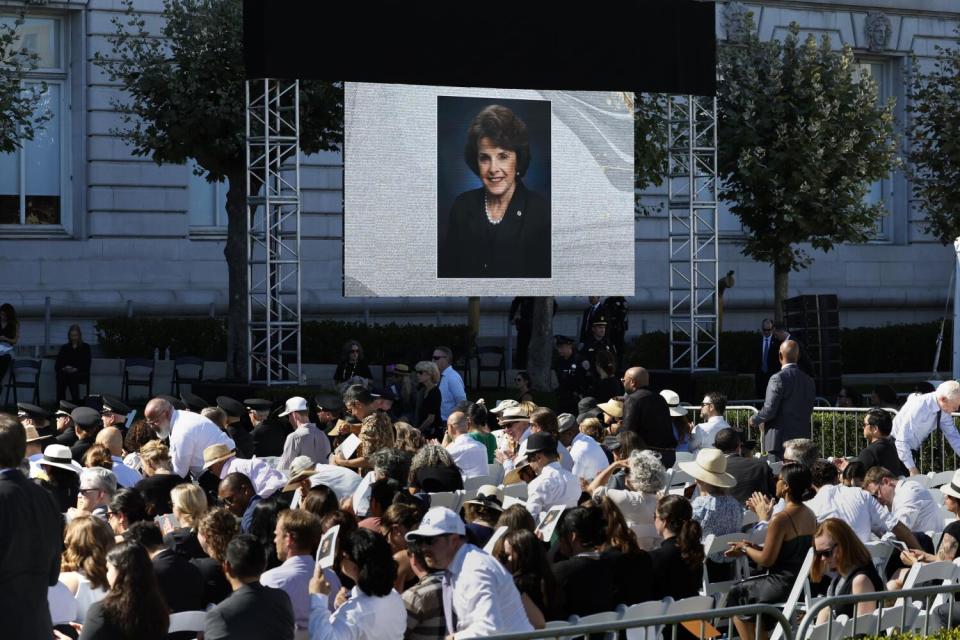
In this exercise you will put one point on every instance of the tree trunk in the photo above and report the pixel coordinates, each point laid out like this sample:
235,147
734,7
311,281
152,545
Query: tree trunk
540,352
781,279
473,318
236,254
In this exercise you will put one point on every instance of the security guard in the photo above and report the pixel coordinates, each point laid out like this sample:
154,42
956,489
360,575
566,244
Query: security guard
615,308
568,378
587,358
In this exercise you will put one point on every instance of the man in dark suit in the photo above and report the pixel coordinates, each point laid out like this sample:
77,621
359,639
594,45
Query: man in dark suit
586,322
788,403
767,359
31,534
646,413
179,580
781,333
752,474
252,611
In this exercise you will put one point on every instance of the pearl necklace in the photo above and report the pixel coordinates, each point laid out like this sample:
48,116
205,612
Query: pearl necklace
486,209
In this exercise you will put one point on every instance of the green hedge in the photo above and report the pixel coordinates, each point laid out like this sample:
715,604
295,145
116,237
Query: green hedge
943,634
895,348
322,341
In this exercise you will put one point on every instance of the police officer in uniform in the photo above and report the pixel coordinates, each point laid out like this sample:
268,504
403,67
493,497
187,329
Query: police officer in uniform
615,308
587,358
568,376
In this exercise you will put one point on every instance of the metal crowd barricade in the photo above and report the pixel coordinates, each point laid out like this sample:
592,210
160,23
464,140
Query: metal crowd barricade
737,416
838,431
673,620
901,597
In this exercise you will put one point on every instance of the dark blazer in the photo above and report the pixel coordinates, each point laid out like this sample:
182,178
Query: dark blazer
252,612
68,438
216,589
803,360
647,414
184,542
180,582
883,453
586,320
96,626
268,438
752,475
31,534
671,576
518,247
79,448
786,410
773,364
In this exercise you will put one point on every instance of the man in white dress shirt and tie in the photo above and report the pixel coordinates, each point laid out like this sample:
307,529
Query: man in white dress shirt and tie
921,415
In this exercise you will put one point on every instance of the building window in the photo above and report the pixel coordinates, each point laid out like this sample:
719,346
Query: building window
206,203
34,179
879,192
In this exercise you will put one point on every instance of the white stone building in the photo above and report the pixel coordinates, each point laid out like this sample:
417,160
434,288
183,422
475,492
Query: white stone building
95,229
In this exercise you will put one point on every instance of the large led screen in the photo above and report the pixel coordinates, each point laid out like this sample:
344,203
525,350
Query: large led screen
487,192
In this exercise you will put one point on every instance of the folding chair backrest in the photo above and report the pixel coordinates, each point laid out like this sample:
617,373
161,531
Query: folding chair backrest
684,456
828,630
799,586
450,499
470,485
880,552
922,573
940,479
517,490
495,471
643,611
187,621
717,544
923,481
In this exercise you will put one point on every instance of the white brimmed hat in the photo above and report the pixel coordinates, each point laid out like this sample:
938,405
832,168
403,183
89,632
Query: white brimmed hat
58,455
952,488
514,414
301,467
296,403
677,410
503,405
439,521
710,466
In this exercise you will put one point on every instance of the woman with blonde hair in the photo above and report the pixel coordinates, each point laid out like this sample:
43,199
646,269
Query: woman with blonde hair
840,552
189,504
376,433
591,427
83,565
428,411
159,478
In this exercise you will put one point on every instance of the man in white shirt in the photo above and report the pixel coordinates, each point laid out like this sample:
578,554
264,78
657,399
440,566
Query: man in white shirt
553,485
189,434
711,412
112,439
920,416
853,505
221,461
479,596
451,384
588,456
306,439
909,501
470,455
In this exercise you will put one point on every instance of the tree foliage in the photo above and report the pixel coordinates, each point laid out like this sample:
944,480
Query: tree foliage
801,137
650,144
21,115
934,134
185,99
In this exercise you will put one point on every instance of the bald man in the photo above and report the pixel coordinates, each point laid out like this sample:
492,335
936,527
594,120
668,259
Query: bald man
646,413
112,439
788,404
189,434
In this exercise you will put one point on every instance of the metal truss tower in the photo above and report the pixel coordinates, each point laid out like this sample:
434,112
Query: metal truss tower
692,204
273,231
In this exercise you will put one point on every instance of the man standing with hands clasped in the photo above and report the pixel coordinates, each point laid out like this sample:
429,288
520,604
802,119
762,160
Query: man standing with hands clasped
789,402
920,416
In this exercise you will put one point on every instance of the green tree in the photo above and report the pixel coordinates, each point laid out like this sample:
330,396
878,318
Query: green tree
20,113
185,100
650,145
934,135
801,137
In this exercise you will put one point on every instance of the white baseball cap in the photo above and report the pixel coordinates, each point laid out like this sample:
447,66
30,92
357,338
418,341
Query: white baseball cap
296,403
439,521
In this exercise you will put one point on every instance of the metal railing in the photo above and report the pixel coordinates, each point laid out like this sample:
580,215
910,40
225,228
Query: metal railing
737,416
673,620
901,597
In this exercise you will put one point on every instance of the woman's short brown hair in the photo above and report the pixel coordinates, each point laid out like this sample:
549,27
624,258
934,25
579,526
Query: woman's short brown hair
218,527
504,129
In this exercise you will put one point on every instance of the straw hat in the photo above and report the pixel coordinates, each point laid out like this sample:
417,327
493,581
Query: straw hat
33,435
613,407
503,405
673,402
514,414
952,488
710,466
301,467
217,453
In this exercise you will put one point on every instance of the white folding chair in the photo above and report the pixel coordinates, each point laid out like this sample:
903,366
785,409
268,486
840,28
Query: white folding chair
775,467
471,485
880,552
679,478
187,621
684,456
832,628
717,544
605,616
517,490
800,587
937,497
495,471
642,611
693,604
750,517
452,500
941,478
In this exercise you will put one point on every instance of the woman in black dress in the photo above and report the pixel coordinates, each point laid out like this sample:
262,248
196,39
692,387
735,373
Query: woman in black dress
73,364
9,334
789,538
678,561
352,364
134,606
839,551
428,415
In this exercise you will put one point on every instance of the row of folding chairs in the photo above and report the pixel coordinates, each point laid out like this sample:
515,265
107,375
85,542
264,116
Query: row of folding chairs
641,611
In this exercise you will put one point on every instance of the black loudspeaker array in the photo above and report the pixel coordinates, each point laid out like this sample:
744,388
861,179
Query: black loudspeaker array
815,321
